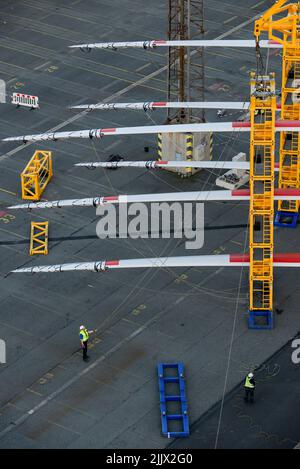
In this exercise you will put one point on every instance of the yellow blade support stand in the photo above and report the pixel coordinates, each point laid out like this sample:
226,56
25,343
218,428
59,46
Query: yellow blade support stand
262,163
36,175
39,238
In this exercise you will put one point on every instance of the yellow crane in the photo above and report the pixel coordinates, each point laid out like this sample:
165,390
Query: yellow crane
282,23
262,150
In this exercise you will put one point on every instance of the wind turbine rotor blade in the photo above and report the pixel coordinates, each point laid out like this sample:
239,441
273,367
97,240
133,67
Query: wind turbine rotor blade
165,197
245,165
195,196
167,262
280,126
223,260
146,45
149,106
160,164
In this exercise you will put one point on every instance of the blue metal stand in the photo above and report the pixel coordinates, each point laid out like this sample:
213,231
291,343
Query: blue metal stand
282,217
253,315
182,416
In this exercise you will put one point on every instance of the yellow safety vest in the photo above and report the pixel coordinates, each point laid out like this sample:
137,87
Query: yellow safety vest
85,334
248,384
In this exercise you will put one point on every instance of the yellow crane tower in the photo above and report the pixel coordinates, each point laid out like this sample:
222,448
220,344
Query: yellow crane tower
282,23
262,150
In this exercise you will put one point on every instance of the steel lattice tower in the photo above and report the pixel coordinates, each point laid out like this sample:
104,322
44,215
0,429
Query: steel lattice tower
185,67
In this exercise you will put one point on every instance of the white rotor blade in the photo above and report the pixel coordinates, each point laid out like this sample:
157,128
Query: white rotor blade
223,260
149,106
189,43
160,164
169,164
280,126
195,196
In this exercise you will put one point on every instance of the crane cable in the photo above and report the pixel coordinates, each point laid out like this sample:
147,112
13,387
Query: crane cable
260,68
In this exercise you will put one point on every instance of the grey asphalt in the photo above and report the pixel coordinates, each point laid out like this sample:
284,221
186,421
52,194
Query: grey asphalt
271,422
48,397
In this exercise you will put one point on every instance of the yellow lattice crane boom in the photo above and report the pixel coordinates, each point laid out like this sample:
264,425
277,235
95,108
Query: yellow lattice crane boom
262,163
282,23
286,26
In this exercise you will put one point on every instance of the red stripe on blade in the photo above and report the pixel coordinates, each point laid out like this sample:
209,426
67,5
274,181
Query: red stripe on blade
286,123
111,263
113,197
239,258
241,192
280,258
240,124
287,192
107,130
160,104
288,257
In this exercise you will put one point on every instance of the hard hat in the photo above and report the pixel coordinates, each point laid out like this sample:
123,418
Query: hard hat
81,327
250,375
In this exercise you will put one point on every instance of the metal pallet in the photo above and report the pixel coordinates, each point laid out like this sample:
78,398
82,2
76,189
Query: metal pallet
168,375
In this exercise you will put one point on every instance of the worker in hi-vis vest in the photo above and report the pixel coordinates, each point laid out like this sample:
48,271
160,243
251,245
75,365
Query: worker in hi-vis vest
249,387
84,336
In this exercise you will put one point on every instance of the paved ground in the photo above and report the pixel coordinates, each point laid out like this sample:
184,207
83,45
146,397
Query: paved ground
271,422
48,397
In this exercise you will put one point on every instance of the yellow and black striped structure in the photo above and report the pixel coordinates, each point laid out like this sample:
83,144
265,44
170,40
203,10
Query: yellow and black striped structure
189,150
211,145
159,146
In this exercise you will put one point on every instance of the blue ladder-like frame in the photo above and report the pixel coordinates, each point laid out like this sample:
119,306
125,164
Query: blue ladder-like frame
281,216
179,397
267,315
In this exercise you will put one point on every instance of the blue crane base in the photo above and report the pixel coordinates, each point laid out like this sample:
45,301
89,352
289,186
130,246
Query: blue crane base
286,219
171,375
256,314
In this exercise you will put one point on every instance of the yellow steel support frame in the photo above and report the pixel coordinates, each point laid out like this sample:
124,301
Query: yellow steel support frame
289,174
39,238
36,175
282,22
262,149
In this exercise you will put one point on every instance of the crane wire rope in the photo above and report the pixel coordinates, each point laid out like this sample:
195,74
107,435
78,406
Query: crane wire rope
258,70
